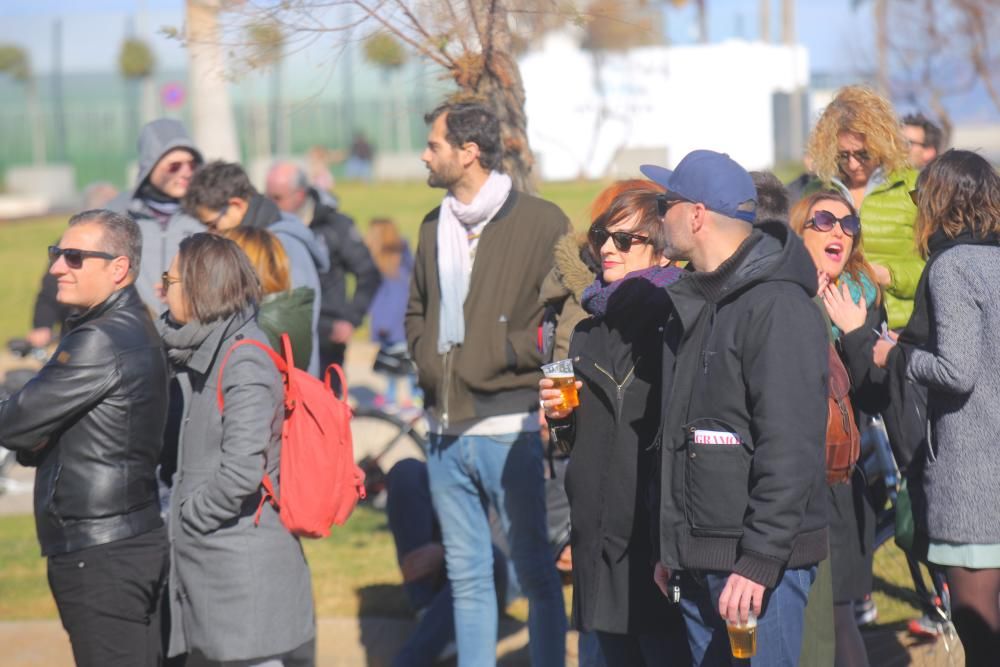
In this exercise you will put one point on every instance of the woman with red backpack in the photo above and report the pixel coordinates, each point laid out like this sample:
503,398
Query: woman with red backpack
240,589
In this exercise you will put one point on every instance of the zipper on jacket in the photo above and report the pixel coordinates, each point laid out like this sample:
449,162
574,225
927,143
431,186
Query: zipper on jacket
446,387
619,387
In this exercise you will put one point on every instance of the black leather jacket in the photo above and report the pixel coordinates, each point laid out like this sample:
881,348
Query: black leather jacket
92,422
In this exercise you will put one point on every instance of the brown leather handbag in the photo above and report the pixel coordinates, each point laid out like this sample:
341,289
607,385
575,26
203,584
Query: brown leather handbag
843,440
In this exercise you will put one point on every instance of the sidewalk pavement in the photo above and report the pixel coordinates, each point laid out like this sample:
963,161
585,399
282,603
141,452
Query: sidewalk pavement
341,642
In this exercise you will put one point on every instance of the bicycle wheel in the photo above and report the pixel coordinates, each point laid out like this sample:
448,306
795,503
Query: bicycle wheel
385,438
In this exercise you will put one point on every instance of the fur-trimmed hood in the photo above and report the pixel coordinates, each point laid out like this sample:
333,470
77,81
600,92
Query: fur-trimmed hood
570,274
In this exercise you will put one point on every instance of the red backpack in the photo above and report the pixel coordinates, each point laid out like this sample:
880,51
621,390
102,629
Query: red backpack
320,484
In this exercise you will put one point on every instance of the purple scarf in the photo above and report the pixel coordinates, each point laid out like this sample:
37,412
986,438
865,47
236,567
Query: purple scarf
596,297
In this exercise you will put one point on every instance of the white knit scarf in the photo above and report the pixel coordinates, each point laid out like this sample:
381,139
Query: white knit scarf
458,226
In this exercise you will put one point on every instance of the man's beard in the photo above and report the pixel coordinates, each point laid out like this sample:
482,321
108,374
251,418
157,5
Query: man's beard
442,179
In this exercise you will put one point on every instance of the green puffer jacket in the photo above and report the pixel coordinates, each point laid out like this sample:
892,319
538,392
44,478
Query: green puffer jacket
289,312
887,218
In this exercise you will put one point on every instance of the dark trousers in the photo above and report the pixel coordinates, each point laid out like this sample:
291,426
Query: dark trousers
109,598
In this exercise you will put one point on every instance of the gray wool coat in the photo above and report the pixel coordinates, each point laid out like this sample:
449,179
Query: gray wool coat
237,590
960,369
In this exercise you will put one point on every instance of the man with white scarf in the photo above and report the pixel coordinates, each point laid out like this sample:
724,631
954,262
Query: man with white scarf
472,327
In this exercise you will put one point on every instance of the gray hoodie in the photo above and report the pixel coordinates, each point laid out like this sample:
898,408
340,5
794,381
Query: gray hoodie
163,224
307,254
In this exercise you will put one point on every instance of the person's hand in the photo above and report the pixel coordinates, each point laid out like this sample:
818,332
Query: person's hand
823,279
40,337
880,354
341,331
549,397
422,562
842,310
565,561
882,275
661,575
739,596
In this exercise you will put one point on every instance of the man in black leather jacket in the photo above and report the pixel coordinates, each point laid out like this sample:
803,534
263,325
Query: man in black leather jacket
92,422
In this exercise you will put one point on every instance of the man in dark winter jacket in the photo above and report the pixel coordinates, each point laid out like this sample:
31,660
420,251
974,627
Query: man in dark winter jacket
742,505
92,423
289,188
167,160
222,197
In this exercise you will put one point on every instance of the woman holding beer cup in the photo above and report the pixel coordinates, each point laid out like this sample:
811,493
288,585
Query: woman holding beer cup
615,356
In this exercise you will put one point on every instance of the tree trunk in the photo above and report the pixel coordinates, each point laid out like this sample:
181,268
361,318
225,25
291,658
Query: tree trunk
882,43
495,79
211,109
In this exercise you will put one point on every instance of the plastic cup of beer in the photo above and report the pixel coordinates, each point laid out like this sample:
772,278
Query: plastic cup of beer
563,379
743,637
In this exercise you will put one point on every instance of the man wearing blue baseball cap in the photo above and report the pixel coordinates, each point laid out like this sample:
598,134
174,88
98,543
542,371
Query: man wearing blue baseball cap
742,513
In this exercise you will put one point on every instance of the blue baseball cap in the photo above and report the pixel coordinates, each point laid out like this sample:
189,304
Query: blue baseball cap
710,178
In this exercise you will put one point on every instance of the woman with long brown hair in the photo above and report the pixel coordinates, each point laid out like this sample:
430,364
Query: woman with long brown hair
831,231
951,347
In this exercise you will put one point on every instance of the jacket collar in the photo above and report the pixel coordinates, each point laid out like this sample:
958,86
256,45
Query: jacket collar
261,212
202,359
119,299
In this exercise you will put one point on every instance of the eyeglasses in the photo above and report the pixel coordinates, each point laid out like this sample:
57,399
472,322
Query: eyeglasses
174,167
598,236
824,222
914,194
74,258
843,157
664,202
214,222
166,280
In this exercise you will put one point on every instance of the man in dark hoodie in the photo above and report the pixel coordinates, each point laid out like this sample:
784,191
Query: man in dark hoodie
222,197
167,160
742,504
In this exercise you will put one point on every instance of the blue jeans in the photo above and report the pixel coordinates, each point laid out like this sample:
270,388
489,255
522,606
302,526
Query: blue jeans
413,524
505,471
779,627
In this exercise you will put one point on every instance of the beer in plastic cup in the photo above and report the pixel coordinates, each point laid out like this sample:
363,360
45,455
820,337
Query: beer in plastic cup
743,637
563,379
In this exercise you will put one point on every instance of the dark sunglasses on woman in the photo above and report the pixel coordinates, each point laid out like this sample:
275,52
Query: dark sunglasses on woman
74,258
622,240
824,222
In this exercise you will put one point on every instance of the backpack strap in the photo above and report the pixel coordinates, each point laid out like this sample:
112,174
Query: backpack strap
278,361
343,381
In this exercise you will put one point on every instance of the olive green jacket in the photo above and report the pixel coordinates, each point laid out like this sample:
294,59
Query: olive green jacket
496,369
289,312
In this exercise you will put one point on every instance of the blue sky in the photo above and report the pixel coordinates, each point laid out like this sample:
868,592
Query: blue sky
837,36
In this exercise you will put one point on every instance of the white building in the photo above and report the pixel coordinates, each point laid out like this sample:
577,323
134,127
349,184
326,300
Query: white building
602,117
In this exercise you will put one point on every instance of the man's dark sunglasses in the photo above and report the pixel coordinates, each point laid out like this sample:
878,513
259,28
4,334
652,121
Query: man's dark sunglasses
664,202
74,258
824,222
622,240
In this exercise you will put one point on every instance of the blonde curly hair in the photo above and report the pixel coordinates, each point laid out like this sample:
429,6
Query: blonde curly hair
863,111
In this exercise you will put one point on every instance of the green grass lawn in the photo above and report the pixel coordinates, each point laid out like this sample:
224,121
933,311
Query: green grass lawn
354,573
